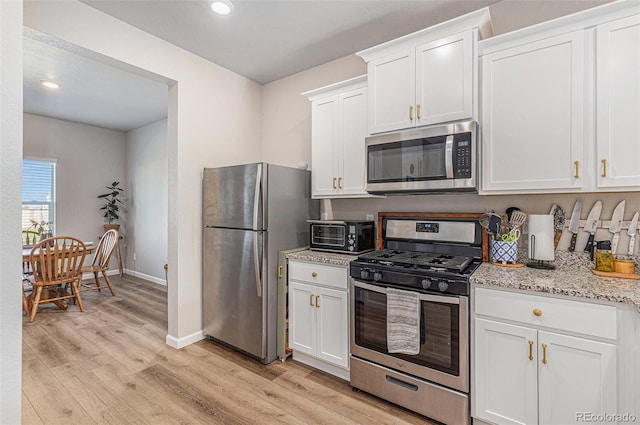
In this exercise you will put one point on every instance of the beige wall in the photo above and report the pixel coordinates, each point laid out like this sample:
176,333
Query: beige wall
147,212
88,159
213,119
10,186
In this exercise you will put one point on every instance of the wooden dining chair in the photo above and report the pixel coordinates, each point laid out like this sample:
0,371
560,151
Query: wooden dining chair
100,262
56,263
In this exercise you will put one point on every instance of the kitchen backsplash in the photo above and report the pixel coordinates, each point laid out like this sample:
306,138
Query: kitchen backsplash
530,204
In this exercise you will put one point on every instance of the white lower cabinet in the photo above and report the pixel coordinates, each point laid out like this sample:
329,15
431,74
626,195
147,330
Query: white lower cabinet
318,316
525,372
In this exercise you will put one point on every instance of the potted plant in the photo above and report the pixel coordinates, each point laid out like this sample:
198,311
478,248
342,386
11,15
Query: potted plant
112,204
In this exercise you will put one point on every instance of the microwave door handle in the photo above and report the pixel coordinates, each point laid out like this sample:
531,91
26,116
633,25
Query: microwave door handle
448,157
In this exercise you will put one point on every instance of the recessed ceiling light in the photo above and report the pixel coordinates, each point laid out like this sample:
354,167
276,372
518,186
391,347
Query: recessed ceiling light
50,84
222,7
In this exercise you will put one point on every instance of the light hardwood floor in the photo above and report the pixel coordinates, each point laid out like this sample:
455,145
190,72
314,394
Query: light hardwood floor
110,365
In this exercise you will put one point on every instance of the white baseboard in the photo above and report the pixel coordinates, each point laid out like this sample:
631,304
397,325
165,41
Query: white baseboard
179,343
133,273
90,275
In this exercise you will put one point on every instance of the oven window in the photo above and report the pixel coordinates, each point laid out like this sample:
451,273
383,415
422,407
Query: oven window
439,331
411,160
327,235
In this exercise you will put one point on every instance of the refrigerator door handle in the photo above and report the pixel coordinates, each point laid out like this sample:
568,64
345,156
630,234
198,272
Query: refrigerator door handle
256,197
256,265
256,210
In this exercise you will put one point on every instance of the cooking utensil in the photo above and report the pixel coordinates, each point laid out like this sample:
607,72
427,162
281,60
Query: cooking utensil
510,211
512,236
488,221
592,223
517,219
574,224
632,233
616,224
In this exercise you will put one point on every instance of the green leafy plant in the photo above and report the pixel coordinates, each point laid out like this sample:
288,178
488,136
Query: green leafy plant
112,204
41,226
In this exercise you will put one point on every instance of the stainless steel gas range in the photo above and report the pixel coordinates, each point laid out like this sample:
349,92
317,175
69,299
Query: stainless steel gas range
429,260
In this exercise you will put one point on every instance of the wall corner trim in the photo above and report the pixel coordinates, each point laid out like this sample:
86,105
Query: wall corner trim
179,343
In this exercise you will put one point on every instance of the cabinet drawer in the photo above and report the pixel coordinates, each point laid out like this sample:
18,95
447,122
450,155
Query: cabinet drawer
319,274
571,316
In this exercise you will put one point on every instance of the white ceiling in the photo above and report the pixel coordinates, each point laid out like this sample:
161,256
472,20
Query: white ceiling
264,40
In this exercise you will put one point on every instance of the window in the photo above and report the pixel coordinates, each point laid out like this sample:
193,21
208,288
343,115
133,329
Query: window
38,192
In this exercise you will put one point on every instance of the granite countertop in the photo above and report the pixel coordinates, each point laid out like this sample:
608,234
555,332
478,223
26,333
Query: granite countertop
322,257
572,277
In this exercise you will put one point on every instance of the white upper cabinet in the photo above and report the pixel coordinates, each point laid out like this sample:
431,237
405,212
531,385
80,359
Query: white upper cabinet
445,79
338,130
618,103
427,77
533,115
560,104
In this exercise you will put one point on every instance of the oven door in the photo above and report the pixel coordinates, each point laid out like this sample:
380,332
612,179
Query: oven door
444,349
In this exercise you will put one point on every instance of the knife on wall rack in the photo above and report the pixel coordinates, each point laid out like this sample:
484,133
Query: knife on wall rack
591,225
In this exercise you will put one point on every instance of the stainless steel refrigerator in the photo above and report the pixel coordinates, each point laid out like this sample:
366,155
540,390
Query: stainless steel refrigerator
249,213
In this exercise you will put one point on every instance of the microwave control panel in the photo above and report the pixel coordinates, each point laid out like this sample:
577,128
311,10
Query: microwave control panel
462,156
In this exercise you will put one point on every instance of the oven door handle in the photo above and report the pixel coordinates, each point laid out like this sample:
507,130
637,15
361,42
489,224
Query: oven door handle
423,297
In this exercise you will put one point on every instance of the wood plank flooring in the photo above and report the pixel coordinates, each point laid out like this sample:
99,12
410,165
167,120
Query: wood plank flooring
110,365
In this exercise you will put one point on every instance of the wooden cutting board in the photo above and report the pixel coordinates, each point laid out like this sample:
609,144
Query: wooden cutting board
614,274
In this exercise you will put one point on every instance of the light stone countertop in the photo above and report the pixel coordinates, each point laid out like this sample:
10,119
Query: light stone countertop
322,257
572,277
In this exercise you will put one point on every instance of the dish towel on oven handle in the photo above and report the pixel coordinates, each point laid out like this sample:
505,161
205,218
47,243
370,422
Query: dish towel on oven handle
403,321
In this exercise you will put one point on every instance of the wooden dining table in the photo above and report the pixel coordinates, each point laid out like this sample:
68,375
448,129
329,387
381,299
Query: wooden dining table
26,255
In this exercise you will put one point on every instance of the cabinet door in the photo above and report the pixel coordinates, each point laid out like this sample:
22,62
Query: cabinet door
333,325
505,375
579,376
444,79
352,131
302,318
533,116
618,102
392,89
324,149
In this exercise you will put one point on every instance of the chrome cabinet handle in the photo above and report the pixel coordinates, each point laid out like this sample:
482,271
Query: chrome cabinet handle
544,353
530,349
418,110
334,183
339,182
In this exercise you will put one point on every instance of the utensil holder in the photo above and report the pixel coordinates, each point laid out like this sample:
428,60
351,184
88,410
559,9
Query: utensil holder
504,252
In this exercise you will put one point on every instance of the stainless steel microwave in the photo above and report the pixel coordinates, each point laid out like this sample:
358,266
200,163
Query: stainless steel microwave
434,159
348,237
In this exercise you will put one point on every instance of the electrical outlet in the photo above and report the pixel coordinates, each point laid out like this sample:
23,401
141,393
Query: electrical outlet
134,256
369,217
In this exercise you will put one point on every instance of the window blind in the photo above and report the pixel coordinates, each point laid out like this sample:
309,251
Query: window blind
38,191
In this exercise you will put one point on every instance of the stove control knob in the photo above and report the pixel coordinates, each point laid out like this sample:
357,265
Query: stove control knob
426,283
377,276
442,286
364,274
